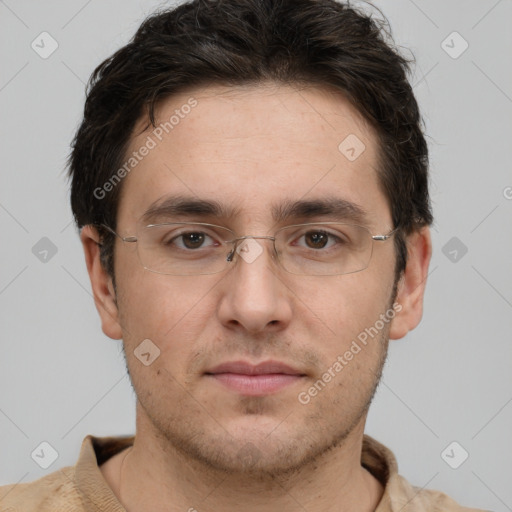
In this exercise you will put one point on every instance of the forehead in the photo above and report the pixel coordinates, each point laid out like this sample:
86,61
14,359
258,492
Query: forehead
252,148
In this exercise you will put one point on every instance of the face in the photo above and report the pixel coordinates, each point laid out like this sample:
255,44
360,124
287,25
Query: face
252,150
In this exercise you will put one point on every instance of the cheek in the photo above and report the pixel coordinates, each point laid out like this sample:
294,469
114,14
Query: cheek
341,307
171,311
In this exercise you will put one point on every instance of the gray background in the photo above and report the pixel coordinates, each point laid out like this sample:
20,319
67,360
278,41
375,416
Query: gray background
449,380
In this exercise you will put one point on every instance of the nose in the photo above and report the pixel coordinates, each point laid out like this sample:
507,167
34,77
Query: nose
254,297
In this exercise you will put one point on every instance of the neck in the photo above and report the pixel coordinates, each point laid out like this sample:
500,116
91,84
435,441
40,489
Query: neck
154,475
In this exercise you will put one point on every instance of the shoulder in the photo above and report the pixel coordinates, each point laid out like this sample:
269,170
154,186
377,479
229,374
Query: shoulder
399,494
56,491
417,499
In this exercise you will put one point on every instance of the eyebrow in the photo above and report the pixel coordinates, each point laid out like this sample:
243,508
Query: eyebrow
334,208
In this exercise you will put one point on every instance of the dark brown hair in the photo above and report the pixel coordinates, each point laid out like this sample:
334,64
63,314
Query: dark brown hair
235,42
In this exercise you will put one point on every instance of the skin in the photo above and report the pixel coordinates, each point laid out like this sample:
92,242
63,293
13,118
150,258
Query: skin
250,148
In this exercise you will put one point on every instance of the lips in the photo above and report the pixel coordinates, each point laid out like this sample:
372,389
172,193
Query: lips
243,368
264,378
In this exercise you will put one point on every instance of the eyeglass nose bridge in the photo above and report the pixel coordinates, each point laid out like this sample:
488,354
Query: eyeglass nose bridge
237,240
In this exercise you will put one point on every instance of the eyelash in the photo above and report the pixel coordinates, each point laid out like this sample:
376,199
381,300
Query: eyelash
331,237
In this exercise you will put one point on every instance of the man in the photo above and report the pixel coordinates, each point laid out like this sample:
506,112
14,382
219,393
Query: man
250,180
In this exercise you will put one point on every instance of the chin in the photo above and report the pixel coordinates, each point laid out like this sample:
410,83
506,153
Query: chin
257,448
263,461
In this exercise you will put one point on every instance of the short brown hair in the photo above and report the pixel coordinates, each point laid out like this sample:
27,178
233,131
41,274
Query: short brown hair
234,42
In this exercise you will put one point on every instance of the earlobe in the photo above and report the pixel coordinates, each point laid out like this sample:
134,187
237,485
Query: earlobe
101,283
411,287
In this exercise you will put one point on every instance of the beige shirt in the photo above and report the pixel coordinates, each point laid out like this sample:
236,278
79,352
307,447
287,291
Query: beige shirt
82,488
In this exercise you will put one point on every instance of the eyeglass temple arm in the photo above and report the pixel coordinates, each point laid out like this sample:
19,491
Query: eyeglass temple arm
381,238
124,239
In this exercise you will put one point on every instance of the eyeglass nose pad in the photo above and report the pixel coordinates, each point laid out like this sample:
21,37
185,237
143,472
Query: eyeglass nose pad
231,254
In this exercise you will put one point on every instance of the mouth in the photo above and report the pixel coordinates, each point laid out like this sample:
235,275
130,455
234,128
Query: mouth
255,380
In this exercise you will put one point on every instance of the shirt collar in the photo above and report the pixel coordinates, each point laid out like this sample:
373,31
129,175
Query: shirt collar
97,495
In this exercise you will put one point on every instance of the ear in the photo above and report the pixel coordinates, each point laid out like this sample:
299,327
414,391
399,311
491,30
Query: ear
101,282
411,286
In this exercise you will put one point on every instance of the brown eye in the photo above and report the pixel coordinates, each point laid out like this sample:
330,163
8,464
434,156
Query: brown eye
189,240
316,239
193,240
